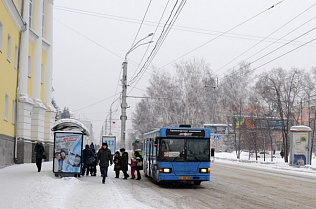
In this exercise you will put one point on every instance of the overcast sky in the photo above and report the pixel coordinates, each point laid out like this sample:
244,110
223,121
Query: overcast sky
91,39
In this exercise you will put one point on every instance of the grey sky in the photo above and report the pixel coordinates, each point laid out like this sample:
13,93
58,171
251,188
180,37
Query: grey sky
89,47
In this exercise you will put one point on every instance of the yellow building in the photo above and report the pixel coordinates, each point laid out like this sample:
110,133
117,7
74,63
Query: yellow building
26,112
11,24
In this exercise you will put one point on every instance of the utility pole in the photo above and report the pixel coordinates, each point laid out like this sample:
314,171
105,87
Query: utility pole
124,105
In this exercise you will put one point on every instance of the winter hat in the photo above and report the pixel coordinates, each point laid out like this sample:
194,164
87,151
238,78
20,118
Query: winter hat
117,152
104,144
122,150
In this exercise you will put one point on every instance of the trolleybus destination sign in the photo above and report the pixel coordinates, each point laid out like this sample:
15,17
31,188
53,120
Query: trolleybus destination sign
184,132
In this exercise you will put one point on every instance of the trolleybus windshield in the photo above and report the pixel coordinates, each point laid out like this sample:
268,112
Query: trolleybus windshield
196,150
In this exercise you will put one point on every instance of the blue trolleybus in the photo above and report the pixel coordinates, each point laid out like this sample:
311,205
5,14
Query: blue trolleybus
177,154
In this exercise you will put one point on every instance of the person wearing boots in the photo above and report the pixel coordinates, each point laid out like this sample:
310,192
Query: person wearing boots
139,164
124,163
40,153
104,156
117,164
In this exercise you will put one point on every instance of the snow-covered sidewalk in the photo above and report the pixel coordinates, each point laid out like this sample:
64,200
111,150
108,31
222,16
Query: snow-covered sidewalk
277,163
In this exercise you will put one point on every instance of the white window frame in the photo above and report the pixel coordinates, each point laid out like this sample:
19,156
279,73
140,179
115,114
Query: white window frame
29,66
9,48
31,12
13,112
6,107
44,18
16,57
1,36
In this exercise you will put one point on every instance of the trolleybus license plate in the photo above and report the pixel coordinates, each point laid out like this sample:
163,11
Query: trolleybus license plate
181,177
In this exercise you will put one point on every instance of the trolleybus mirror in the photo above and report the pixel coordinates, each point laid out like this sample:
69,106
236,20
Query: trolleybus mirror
212,152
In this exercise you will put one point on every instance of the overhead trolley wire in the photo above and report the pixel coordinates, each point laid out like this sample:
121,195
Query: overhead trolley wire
157,42
289,42
175,27
286,53
238,25
268,37
310,41
141,23
152,38
95,103
160,41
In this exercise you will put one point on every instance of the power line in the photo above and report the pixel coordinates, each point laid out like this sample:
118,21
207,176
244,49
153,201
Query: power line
94,103
175,27
285,53
274,58
160,41
141,23
266,37
93,41
151,38
88,38
223,33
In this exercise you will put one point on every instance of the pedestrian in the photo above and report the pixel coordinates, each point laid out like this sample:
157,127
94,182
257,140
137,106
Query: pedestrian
139,164
93,165
133,167
117,164
282,153
124,163
103,158
86,154
40,154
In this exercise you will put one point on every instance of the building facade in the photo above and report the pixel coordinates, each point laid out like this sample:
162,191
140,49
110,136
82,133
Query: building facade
26,78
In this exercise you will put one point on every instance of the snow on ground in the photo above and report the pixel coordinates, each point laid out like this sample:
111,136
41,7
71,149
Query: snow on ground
277,163
23,187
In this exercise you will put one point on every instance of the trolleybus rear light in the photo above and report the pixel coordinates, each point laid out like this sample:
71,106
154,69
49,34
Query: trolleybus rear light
164,170
205,170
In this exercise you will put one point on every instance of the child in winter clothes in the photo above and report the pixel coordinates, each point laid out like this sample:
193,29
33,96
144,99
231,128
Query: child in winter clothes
133,167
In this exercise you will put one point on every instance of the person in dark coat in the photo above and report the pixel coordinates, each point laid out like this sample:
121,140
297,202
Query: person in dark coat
93,165
40,153
124,163
139,164
104,156
117,164
282,153
86,153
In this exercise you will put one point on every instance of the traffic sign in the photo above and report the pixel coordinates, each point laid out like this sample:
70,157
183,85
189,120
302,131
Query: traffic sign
216,137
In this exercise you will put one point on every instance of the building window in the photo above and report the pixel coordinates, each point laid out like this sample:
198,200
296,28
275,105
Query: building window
16,57
31,14
6,104
1,36
29,67
13,112
43,18
9,48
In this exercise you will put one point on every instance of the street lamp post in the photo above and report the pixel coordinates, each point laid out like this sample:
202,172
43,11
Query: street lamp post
124,89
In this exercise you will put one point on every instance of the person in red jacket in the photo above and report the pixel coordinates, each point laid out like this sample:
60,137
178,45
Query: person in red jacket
133,167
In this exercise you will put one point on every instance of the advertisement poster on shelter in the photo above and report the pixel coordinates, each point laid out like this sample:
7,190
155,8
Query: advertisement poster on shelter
300,148
67,152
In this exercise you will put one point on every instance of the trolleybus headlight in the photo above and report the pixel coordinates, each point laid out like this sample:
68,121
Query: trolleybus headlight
205,170
165,170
